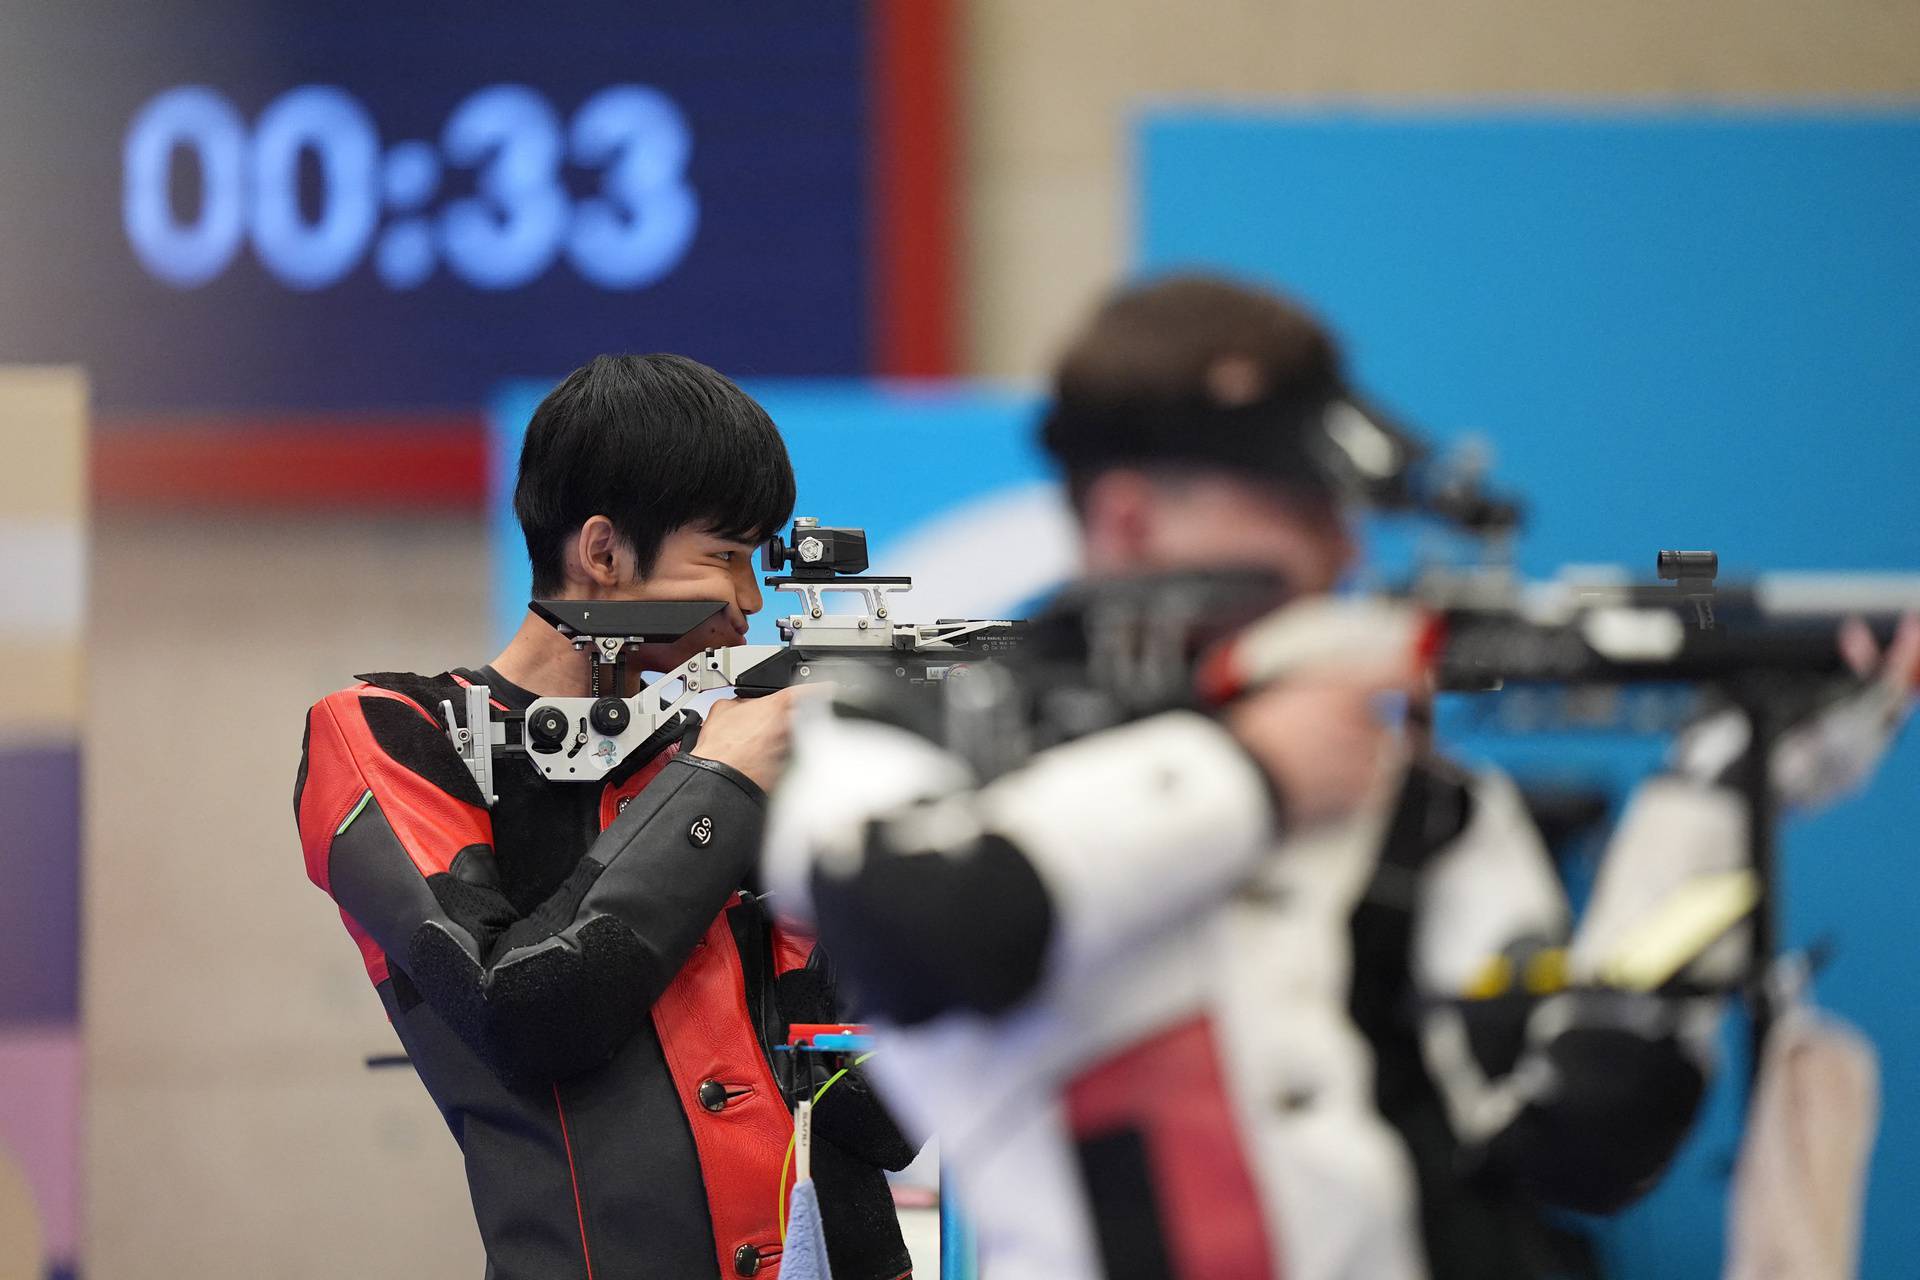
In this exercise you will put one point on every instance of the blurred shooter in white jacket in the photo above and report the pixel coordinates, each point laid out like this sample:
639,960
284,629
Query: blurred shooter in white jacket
1272,993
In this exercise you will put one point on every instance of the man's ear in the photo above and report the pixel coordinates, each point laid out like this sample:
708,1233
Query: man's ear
601,558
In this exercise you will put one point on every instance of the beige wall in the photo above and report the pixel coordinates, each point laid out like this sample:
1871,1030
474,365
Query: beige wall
43,532
1050,85
232,1128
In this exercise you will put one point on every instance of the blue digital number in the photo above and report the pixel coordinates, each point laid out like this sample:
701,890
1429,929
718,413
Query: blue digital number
340,134
640,225
508,234
633,231
185,254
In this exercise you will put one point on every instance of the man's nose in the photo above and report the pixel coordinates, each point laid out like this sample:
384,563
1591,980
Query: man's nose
747,591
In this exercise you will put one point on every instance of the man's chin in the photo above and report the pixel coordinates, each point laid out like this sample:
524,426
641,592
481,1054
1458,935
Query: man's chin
720,635
668,657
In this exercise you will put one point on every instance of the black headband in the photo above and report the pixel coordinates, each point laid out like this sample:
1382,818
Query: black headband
1305,439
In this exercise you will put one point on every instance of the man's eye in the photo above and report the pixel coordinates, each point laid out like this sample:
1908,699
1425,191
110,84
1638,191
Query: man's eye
726,555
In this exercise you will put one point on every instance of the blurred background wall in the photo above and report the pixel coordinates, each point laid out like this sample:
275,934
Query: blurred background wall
1048,91
291,468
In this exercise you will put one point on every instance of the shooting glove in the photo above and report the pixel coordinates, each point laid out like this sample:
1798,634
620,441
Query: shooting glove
1831,750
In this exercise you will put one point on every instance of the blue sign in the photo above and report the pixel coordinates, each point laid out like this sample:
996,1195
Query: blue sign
246,206
1690,330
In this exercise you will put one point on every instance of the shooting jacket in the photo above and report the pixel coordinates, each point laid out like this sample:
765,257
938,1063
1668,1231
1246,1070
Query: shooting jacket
1159,1033
590,993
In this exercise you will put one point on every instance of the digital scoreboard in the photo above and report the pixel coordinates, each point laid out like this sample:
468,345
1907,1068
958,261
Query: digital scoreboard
333,207
519,219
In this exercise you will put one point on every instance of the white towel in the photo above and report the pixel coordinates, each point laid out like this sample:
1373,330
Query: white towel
805,1254
1802,1173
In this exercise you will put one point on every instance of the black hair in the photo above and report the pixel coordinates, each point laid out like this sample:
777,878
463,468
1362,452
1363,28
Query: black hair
654,443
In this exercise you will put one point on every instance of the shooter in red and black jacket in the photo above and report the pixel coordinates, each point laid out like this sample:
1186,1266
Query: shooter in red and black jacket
581,974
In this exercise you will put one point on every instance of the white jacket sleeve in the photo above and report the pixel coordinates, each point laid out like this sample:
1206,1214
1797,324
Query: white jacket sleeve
875,833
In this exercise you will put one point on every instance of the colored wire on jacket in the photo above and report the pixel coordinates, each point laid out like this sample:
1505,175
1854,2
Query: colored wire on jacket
787,1162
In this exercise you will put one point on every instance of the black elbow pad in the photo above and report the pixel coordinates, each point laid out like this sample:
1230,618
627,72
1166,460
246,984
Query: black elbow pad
546,1011
921,933
1619,1109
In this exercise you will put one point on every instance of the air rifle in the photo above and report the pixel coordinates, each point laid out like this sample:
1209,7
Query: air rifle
1482,630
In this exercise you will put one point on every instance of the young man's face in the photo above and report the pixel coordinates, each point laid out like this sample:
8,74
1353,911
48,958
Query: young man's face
697,564
1136,522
